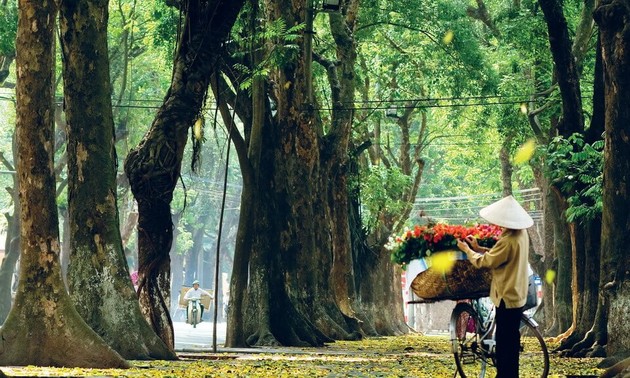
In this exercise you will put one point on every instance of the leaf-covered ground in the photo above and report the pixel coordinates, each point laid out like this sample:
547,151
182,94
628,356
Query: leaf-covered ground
402,356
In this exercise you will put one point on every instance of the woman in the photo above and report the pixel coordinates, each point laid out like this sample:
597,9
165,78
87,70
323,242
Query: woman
508,262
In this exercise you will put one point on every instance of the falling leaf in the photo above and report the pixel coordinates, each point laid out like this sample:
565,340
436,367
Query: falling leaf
524,108
287,85
525,152
448,37
198,128
443,262
550,276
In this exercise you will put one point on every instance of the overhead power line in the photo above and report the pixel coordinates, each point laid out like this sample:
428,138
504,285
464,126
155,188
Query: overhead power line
466,208
428,102
475,196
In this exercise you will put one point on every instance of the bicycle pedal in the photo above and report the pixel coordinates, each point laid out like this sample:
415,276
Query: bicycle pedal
468,359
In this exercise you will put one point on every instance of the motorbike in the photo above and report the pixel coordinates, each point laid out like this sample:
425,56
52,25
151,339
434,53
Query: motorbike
194,312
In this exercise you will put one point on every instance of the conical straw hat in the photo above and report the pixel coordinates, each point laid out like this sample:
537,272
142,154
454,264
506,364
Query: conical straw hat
507,213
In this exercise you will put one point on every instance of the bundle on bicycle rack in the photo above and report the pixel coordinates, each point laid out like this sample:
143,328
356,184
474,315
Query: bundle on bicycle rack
463,281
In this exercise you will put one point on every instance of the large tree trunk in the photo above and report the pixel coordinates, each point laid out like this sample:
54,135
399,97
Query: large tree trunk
544,260
589,292
613,18
98,276
249,153
572,121
595,304
289,296
562,309
566,68
154,166
43,328
336,175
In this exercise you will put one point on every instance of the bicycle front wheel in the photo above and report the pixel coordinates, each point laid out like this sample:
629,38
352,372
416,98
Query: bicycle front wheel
466,332
533,355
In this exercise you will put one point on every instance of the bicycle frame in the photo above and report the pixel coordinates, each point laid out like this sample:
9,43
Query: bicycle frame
472,338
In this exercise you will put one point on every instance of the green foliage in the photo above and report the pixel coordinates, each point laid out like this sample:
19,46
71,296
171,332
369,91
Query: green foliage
576,168
8,27
382,189
278,44
167,22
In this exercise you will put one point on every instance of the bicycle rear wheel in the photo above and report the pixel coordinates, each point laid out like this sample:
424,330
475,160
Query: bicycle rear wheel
534,354
466,332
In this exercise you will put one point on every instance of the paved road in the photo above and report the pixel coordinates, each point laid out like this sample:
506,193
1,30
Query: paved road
189,338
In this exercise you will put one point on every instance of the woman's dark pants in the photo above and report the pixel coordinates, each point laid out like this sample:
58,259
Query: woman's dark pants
508,340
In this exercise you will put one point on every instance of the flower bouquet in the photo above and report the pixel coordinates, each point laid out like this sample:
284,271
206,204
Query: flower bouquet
423,241
444,272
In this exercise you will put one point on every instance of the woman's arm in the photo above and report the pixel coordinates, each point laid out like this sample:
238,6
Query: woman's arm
493,258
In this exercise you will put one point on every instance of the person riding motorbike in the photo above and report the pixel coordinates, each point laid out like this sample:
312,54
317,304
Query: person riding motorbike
195,293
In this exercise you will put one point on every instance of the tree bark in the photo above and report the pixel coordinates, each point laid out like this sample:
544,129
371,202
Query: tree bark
98,276
613,18
154,166
43,328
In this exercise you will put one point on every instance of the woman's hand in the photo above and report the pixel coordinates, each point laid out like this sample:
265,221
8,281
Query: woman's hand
463,246
473,242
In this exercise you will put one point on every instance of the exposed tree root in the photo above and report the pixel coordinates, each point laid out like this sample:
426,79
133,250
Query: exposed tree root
563,336
567,343
262,338
617,367
583,347
62,339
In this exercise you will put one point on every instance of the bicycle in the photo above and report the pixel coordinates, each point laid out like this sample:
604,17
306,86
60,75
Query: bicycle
472,340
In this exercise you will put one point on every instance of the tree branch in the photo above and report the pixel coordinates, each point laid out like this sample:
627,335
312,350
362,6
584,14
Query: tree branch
481,13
